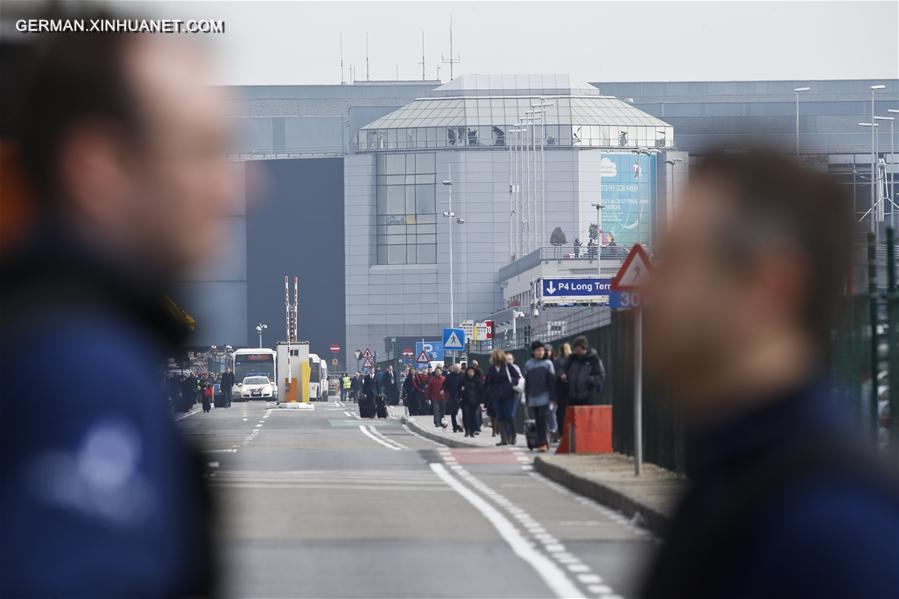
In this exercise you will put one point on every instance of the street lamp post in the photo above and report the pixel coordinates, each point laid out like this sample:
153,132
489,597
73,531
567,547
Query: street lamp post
259,328
797,91
874,88
892,193
874,208
599,206
452,220
516,314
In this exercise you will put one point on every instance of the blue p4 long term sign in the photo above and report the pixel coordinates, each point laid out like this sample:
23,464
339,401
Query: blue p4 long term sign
575,289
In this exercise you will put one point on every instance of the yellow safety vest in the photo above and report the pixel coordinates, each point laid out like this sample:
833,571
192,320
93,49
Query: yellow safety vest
347,383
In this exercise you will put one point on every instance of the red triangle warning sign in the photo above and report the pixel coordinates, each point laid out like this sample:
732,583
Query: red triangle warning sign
423,358
635,271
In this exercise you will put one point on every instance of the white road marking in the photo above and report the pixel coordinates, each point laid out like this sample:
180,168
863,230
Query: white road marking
232,450
186,414
385,443
375,431
423,438
554,577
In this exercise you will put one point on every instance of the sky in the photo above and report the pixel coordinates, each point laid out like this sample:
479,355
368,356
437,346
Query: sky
276,43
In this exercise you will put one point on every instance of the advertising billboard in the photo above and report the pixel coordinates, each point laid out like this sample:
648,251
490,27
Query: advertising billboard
628,191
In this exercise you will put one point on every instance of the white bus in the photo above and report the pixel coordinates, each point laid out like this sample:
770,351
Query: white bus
323,383
256,361
315,377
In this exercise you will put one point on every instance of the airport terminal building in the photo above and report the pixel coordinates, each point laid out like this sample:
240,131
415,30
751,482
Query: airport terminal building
521,156
307,168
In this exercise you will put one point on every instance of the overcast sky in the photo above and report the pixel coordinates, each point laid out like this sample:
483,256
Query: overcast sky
297,42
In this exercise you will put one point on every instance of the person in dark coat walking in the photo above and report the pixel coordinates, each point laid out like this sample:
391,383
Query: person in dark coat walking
452,387
471,396
409,392
539,388
370,391
499,387
389,386
584,375
356,386
561,366
784,499
227,385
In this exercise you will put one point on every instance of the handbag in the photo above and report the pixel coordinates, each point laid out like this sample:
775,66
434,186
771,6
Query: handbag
517,387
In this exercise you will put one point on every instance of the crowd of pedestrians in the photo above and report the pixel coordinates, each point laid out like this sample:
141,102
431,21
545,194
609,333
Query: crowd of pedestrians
468,397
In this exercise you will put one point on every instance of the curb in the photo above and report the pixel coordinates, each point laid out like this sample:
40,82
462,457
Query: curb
647,517
438,438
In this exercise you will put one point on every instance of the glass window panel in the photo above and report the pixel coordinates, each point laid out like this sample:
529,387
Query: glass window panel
396,254
427,254
431,133
425,163
410,254
410,163
396,240
552,135
410,199
425,200
472,136
396,200
391,144
409,180
451,138
395,164
427,218
424,179
382,199
382,254
427,239
410,220
422,229
396,219
396,229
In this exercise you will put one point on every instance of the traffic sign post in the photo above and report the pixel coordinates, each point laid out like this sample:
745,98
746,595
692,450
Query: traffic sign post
453,340
633,274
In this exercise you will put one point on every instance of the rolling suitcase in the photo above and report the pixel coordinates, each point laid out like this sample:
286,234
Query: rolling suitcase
381,407
530,433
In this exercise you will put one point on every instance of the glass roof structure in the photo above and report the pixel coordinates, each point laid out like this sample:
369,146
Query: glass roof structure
483,110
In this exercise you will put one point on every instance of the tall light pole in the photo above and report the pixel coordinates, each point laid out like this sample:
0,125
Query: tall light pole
259,328
873,125
797,91
893,171
873,210
513,191
599,206
449,214
540,109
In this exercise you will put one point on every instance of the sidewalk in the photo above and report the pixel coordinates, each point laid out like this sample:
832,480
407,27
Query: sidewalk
609,479
424,426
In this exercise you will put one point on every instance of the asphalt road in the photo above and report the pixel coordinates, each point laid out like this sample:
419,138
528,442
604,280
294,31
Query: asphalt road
322,504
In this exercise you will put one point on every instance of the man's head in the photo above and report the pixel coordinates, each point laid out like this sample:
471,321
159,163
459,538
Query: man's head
748,276
579,346
456,368
538,350
124,141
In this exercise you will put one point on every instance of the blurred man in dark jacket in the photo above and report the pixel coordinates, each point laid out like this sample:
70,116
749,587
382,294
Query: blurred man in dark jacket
122,140
584,374
783,502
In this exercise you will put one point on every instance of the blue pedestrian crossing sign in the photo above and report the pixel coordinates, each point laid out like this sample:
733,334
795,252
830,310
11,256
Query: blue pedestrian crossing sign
454,339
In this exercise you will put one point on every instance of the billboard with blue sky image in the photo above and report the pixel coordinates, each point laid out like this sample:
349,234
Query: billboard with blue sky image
628,196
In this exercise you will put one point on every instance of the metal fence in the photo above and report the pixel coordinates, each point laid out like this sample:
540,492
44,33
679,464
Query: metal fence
864,369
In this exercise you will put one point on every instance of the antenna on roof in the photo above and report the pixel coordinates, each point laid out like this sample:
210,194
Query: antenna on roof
452,59
342,78
366,57
422,63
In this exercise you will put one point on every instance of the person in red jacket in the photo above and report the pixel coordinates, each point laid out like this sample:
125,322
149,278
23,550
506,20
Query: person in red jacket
437,397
